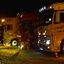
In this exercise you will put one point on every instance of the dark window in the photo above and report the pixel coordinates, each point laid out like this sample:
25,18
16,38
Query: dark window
47,17
62,17
55,18
9,27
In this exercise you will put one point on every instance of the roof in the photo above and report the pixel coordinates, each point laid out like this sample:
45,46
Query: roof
57,6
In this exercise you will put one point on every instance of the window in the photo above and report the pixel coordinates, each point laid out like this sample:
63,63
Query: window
47,17
9,27
55,18
62,17
58,17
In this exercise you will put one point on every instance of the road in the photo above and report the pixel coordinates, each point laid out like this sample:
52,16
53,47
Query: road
28,56
36,57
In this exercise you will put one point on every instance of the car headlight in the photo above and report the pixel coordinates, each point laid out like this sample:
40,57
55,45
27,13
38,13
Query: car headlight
39,33
44,33
47,42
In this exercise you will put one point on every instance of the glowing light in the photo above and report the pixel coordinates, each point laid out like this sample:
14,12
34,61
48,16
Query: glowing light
2,20
21,16
39,33
40,10
38,41
18,14
43,8
49,19
48,42
44,33
18,46
48,47
50,7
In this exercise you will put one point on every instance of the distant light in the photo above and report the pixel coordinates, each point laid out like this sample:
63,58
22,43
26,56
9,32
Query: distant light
49,19
40,10
21,16
47,42
50,7
39,33
38,41
43,33
48,47
43,8
18,14
2,20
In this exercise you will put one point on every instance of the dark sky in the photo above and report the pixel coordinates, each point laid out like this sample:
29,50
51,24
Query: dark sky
12,7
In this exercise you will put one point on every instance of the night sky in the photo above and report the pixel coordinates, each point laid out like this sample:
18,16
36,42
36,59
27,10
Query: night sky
12,7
